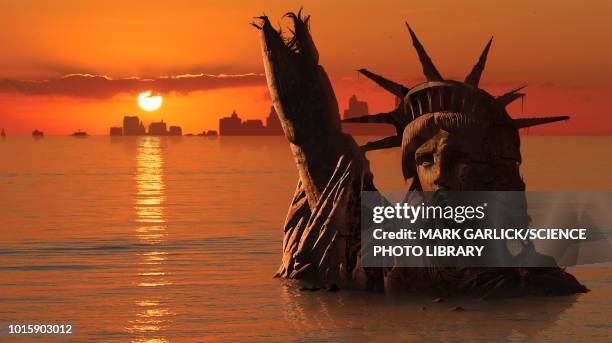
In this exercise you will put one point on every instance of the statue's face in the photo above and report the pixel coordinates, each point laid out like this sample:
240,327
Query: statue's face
452,161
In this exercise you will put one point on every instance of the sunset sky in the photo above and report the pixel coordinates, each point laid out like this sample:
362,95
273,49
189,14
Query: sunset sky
68,65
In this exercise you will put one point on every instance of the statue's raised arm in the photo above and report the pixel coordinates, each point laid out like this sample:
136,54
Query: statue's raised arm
321,242
305,102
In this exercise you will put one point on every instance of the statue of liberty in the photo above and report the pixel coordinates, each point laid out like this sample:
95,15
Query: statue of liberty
453,136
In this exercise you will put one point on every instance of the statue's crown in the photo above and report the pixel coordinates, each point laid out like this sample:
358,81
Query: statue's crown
440,95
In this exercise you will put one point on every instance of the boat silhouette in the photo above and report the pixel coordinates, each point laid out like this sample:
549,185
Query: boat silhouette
80,133
37,133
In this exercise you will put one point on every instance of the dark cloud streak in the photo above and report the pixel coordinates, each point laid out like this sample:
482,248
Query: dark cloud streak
102,87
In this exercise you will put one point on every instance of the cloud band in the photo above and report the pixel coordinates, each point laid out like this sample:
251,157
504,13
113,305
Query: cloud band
99,86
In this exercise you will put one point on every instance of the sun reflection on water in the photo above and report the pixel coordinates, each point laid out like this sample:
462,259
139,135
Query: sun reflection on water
151,313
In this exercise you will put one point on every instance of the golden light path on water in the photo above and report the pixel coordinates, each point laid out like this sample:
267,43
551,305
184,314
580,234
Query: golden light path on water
152,314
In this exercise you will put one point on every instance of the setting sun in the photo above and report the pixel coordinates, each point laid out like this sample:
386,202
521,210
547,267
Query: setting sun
149,102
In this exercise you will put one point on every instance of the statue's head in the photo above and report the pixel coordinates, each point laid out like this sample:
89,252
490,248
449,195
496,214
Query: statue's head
460,139
453,134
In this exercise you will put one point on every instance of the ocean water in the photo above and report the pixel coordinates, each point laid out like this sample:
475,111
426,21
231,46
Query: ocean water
149,239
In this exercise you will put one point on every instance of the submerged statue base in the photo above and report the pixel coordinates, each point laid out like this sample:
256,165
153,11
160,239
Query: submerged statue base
321,248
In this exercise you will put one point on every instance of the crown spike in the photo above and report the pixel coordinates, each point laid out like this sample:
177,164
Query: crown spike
522,123
473,77
509,97
392,87
385,143
390,118
429,69
507,100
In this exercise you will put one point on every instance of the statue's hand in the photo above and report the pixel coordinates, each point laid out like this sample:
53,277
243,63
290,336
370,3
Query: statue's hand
300,89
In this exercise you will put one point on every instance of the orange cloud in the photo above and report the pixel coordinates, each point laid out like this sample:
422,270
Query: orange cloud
102,87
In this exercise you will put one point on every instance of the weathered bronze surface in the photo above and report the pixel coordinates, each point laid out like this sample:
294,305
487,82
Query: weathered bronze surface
453,135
